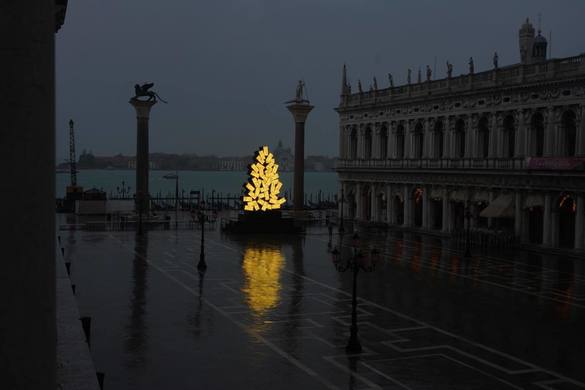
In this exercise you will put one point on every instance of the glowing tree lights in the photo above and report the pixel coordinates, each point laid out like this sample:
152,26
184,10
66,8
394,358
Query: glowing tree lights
264,185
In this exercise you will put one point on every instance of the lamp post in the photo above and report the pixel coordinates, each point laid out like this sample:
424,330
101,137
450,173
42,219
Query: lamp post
122,191
467,255
176,177
358,262
341,229
202,265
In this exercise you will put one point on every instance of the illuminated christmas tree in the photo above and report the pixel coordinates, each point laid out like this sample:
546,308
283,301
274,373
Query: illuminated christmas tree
264,185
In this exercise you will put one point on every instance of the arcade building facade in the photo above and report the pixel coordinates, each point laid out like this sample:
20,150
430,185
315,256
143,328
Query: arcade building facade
501,150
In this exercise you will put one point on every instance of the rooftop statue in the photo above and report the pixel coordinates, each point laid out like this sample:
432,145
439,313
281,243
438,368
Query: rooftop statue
409,77
391,80
144,91
496,60
449,69
471,66
429,73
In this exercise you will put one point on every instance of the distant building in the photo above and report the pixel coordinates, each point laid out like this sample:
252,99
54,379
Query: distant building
507,145
284,156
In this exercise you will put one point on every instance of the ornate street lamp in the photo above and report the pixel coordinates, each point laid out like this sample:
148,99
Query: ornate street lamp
467,255
341,229
358,261
202,265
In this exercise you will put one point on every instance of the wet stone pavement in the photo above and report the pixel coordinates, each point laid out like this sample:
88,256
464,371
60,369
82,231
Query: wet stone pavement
272,311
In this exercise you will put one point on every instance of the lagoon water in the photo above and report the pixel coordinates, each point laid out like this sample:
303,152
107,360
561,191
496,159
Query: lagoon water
206,181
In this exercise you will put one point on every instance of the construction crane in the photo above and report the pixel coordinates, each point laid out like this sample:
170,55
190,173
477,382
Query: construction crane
73,191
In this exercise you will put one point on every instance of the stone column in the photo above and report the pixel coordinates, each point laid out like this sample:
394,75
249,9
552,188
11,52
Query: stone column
360,143
300,111
376,142
374,204
27,146
547,220
426,152
517,214
468,137
342,142
522,133
447,138
407,140
358,202
446,226
389,205
492,136
549,133
580,123
425,206
142,153
407,206
579,222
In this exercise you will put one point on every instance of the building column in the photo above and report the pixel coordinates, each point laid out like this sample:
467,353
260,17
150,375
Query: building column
446,138
360,143
407,140
469,137
550,133
358,202
376,142
522,134
373,204
580,123
27,145
492,136
492,196
579,222
427,150
547,220
517,214
389,205
407,206
425,206
446,226
340,203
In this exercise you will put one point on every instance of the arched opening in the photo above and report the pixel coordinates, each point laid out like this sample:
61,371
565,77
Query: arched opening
458,210
400,142
460,138
567,207
436,213
351,205
438,144
368,144
367,204
537,135
509,137
353,141
419,141
398,210
417,197
535,216
381,207
483,138
569,140
384,143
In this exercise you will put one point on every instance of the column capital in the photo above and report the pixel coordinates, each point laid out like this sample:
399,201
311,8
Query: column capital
142,107
300,111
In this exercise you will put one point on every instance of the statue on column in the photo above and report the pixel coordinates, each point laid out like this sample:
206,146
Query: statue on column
496,60
300,91
449,70
471,66
144,91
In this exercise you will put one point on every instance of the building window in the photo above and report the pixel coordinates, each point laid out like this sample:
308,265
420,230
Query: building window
509,137
484,137
569,134
419,141
537,135
438,145
400,142
460,139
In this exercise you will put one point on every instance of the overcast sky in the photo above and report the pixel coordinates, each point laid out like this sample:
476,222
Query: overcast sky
227,66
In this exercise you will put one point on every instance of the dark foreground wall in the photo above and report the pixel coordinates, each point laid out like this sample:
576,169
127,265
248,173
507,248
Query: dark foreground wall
27,226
